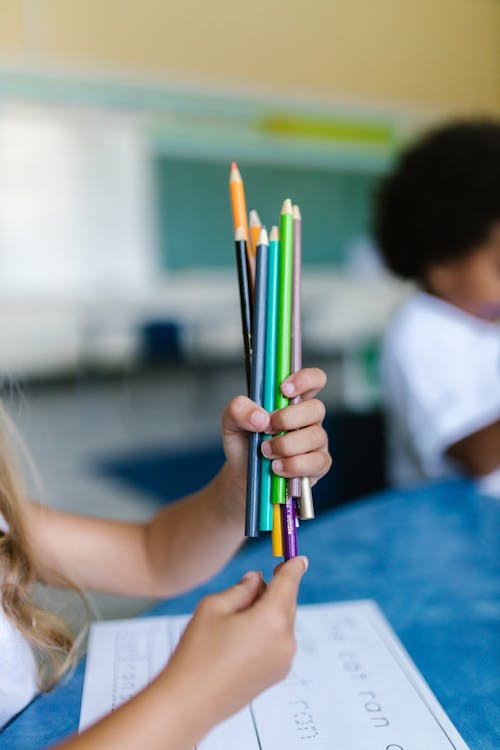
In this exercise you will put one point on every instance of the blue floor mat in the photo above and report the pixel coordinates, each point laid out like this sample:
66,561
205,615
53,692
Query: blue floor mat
165,475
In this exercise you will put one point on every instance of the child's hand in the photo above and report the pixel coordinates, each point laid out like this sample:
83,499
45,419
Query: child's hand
238,643
296,454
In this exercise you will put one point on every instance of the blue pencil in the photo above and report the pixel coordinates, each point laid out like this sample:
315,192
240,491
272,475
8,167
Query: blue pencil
257,384
266,508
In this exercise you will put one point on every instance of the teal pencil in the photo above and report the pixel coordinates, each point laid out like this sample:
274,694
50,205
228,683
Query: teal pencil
266,508
284,328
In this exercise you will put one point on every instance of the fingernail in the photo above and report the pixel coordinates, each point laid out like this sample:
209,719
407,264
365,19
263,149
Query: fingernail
259,419
266,449
305,561
277,466
248,576
287,388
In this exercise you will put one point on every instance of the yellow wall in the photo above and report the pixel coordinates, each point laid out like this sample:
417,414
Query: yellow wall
442,54
11,29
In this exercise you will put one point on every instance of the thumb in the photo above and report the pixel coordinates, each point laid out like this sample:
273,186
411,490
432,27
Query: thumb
284,586
241,596
242,415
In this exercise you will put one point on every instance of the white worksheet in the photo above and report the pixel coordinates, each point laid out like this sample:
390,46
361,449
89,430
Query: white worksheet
352,686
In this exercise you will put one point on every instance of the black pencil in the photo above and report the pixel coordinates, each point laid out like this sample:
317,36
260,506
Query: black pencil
245,299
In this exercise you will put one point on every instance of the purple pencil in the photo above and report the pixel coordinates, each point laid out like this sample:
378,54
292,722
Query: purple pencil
298,487
289,528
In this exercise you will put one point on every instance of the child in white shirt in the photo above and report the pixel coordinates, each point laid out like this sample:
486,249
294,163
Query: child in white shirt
438,224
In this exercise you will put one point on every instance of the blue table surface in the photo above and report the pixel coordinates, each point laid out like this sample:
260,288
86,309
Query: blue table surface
428,556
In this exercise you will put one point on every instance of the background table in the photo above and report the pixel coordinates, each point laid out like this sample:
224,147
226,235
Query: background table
428,556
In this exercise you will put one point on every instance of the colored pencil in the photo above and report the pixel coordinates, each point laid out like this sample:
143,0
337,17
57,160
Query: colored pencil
289,519
278,484
266,509
296,485
277,532
255,225
257,384
245,299
239,211
306,500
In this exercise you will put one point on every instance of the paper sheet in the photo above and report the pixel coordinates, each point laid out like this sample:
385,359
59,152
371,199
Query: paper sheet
352,686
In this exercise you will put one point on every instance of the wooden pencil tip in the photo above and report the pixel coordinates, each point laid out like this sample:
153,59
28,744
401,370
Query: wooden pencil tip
286,208
263,238
234,175
275,234
239,234
254,220
296,213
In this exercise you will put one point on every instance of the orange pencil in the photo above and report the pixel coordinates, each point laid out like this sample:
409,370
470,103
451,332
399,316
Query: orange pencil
255,227
277,532
239,209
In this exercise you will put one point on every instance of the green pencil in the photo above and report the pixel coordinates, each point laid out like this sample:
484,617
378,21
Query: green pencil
266,508
284,330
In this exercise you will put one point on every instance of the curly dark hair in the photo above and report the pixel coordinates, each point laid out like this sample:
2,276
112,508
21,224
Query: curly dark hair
442,199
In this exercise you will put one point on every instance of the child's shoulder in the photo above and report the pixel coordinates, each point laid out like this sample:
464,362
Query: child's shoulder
428,329
423,316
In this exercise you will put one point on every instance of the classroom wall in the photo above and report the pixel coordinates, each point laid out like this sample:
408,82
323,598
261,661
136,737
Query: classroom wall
438,54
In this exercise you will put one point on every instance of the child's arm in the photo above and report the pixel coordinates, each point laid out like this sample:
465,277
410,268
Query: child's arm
187,541
478,454
238,643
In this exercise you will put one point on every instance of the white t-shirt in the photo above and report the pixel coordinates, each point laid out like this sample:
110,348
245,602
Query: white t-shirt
18,670
440,371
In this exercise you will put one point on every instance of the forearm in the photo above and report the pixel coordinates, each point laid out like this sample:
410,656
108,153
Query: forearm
478,454
189,541
162,717
183,545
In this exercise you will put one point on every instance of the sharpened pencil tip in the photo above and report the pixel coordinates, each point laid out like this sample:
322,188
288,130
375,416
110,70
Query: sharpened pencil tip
254,220
263,238
239,234
234,175
296,213
275,234
286,208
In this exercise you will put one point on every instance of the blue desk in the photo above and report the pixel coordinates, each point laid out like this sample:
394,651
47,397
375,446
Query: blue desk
428,556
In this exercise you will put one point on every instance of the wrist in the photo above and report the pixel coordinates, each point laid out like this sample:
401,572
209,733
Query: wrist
229,492
189,702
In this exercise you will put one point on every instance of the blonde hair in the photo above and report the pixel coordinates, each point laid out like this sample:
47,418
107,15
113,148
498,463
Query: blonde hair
52,640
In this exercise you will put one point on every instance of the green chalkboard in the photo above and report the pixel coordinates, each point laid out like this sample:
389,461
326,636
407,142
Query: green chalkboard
194,216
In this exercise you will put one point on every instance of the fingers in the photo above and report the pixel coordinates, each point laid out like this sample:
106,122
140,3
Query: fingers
243,415
313,465
278,567
305,383
295,416
303,450
283,588
236,598
312,438
302,453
